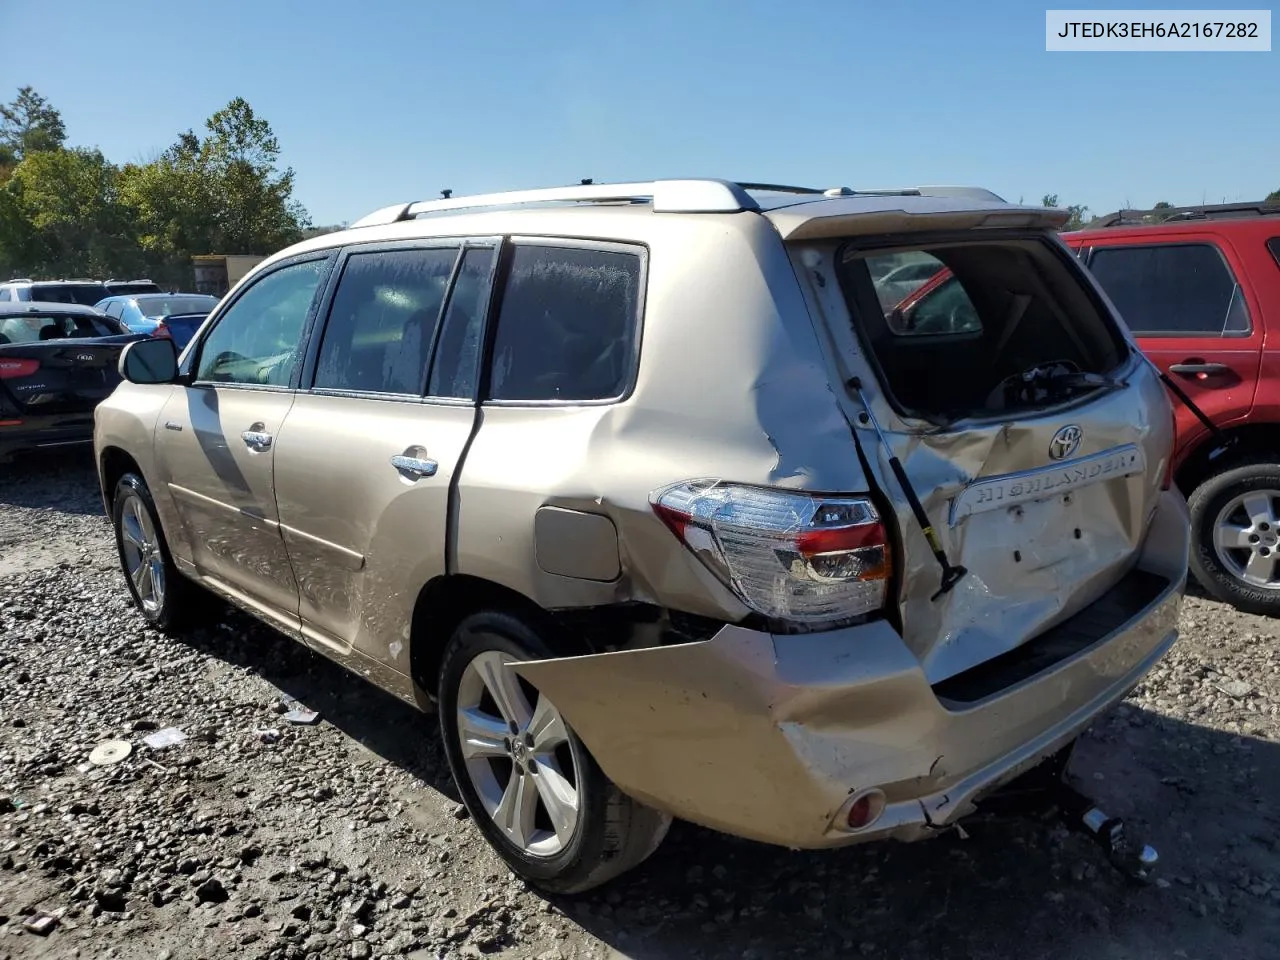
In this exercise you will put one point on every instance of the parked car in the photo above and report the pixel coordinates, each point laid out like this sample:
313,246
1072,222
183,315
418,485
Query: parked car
179,327
635,485
1201,291
57,361
84,292
143,313
121,288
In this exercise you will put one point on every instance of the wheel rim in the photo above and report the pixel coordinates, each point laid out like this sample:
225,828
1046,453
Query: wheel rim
140,549
1246,538
515,746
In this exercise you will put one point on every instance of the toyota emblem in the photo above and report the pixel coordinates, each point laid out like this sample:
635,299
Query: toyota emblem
1065,442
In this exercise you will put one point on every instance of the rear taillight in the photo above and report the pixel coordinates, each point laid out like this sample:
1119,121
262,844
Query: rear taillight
11,367
799,557
162,331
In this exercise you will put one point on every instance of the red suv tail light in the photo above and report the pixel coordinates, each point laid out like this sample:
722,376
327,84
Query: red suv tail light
12,367
800,557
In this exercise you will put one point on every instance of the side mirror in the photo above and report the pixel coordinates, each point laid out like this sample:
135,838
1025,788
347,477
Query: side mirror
153,360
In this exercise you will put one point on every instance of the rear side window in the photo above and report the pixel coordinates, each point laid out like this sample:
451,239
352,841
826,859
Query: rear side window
1274,246
383,321
453,373
567,325
1182,289
921,297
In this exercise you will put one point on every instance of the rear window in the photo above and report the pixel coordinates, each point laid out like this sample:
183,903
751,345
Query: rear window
566,325
993,326
29,329
1173,289
85,294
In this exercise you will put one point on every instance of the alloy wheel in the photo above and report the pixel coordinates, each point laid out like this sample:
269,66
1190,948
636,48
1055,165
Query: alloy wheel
1246,538
518,757
140,548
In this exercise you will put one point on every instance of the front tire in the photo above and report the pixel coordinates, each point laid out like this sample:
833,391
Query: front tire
163,595
1235,529
529,783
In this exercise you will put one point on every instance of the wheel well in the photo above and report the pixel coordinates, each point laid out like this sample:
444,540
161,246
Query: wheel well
115,464
444,603
1250,441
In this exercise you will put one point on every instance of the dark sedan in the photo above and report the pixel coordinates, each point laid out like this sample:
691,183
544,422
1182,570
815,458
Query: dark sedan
57,361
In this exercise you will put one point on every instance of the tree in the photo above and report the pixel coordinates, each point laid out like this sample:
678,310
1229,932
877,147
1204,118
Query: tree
1076,212
29,125
61,216
220,194
1273,197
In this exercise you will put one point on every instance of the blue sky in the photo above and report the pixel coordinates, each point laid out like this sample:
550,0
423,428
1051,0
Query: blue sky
376,102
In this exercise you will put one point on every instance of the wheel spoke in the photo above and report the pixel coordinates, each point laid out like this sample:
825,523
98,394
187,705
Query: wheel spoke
481,734
140,574
1261,568
500,680
1258,507
1232,537
547,727
558,797
129,530
517,809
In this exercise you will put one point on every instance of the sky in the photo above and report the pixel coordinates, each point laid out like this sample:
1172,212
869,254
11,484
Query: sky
378,102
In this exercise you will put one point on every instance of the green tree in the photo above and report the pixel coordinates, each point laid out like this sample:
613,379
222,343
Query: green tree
1273,197
29,125
221,194
61,216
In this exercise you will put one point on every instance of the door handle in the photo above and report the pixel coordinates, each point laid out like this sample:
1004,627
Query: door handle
1196,368
414,468
256,440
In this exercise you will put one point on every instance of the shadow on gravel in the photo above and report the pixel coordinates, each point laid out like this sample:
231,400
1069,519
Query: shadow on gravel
62,480
1206,799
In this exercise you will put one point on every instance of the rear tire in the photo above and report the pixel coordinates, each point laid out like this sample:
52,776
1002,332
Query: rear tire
581,830
1235,536
163,595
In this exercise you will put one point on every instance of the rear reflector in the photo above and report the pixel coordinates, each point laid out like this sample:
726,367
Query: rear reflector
799,557
865,810
11,367
10,423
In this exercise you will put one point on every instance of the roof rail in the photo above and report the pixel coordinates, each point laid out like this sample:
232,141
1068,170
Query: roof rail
20,280
1212,211
666,196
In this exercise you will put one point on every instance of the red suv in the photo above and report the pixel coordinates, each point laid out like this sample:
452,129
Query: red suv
1201,292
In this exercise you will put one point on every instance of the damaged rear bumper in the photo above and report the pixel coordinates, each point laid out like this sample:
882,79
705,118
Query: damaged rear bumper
771,737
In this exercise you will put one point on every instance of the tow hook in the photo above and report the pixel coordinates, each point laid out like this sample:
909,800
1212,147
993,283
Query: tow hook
1134,859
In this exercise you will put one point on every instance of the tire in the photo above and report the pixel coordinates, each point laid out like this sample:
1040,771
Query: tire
610,833
134,517
1225,572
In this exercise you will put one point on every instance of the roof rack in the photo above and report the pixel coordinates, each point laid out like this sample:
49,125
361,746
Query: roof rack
664,196
1212,211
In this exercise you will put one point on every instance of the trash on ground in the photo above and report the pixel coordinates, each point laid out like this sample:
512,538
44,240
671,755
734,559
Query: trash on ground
110,751
41,924
1236,688
303,716
164,738
269,736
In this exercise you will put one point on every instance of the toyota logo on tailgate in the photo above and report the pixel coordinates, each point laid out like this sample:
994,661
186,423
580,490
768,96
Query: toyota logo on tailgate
1065,442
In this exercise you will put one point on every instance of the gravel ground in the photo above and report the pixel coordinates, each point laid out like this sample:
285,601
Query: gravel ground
345,839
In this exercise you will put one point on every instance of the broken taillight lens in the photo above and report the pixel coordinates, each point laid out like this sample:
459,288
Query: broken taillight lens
800,557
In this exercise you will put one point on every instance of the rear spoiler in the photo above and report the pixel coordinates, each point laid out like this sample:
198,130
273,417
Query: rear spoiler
854,216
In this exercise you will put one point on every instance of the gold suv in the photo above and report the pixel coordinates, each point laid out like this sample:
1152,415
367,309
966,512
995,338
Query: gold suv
812,516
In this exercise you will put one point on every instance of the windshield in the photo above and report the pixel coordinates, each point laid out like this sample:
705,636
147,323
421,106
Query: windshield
85,294
32,329
165,305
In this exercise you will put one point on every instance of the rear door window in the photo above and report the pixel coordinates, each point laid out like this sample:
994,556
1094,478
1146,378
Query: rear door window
453,371
1172,289
383,321
567,325
1274,246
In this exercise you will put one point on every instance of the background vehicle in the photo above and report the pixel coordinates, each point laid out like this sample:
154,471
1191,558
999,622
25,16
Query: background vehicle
142,313
638,484
57,361
121,288
84,292
179,327
1201,292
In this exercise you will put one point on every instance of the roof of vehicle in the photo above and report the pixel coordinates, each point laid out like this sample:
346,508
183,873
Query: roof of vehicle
61,280
43,308
1224,216
153,296
605,210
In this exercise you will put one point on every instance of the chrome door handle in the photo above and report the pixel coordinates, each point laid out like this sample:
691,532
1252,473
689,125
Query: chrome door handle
414,467
256,440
